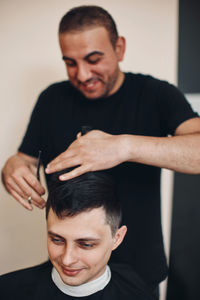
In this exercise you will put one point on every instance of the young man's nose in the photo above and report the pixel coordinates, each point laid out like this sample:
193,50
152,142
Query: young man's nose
69,256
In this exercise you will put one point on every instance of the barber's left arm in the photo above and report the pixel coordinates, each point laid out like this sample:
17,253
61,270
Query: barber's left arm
98,150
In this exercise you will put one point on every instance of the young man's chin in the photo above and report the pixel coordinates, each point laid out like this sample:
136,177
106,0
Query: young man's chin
73,280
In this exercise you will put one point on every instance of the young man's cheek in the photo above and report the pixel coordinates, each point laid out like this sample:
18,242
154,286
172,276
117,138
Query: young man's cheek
54,251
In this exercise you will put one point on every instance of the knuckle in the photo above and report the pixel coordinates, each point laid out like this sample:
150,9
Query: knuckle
89,168
14,175
80,142
60,164
7,181
20,169
83,151
31,179
34,183
18,172
8,188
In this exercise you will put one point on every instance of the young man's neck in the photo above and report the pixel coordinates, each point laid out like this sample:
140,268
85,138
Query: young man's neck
85,289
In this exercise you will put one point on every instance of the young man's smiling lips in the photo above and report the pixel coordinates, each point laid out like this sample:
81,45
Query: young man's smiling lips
71,271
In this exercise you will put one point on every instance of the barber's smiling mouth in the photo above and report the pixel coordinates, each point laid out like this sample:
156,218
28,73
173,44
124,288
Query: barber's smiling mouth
91,85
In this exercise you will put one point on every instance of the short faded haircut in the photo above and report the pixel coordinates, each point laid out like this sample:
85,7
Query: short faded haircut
84,193
86,16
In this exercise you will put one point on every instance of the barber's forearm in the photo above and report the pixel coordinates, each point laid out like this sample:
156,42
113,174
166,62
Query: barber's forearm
30,159
178,153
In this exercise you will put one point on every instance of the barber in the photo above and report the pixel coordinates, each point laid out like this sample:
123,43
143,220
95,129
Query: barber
141,124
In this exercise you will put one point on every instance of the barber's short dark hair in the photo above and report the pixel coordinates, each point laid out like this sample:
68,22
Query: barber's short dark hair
84,193
83,17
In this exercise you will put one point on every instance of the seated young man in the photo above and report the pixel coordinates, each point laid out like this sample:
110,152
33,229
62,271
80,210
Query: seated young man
83,228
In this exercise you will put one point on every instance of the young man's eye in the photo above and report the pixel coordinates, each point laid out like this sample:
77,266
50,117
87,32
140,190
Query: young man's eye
87,245
57,241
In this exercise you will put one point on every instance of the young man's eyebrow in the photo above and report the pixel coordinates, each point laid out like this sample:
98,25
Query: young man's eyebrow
88,239
54,234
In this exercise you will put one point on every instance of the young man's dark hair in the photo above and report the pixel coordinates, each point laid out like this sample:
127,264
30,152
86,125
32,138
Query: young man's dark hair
82,17
84,193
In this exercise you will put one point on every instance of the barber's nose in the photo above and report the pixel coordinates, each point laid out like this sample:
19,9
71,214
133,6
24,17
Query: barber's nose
83,72
70,256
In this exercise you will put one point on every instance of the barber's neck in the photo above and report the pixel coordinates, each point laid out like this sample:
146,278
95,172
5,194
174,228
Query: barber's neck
119,82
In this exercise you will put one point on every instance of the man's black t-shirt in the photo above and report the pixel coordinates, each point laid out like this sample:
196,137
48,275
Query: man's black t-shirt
36,284
142,106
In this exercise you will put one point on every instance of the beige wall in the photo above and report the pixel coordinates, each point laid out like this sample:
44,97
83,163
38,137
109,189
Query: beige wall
30,60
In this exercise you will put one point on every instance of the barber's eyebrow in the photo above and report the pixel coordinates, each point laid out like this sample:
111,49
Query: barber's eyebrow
85,57
67,58
94,53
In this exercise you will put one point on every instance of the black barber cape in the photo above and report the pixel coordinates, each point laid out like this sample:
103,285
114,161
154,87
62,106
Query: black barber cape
36,283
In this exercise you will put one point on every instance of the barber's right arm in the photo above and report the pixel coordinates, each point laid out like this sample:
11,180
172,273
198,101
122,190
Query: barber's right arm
19,179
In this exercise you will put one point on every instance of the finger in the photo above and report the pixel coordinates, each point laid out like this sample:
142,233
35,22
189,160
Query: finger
13,186
24,191
75,172
36,203
36,199
27,191
22,201
61,165
59,159
26,174
35,184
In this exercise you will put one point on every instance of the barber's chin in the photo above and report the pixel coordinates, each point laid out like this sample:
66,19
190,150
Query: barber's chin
95,95
93,92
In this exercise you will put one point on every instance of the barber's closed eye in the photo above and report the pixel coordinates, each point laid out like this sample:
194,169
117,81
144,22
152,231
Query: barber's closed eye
94,61
70,64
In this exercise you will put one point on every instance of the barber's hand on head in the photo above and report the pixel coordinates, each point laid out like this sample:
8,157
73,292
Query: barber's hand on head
19,178
94,151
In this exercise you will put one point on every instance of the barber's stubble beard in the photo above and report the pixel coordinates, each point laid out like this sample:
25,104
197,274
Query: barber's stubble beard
107,86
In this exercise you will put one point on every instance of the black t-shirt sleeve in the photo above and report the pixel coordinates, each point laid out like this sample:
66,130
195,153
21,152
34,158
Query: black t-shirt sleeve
33,139
173,106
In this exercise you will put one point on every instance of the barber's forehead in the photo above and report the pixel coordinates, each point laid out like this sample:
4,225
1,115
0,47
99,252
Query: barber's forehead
87,29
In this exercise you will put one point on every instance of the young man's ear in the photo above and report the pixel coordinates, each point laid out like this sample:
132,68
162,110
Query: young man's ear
120,48
119,236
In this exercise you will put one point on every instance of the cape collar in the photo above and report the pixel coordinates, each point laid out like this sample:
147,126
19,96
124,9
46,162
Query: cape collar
85,289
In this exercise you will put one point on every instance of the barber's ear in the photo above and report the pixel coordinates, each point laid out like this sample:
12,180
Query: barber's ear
119,236
120,47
